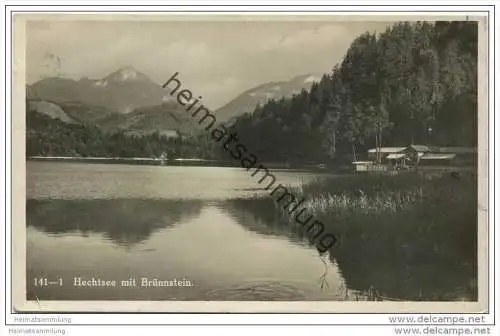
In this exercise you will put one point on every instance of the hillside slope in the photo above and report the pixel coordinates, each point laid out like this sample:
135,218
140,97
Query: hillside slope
50,110
248,100
166,117
121,91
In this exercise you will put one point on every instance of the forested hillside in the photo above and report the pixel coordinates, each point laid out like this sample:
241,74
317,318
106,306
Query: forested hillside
414,83
46,136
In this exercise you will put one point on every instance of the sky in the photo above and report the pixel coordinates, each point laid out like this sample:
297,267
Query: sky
216,58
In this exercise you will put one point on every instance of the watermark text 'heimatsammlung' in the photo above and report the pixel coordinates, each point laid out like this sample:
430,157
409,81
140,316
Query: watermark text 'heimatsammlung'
238,151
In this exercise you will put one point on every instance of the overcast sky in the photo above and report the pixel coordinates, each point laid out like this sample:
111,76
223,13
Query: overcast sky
215,59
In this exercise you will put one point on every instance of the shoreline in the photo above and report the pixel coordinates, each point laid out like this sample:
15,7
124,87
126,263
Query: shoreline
168,162
230,164
414,217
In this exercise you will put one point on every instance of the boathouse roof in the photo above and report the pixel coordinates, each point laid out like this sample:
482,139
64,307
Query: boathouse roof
457,150
419,148
395,156
387,150
434,156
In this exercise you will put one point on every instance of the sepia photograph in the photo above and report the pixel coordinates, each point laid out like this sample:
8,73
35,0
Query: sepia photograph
321,159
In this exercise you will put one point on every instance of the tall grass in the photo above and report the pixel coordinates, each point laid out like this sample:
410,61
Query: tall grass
410,226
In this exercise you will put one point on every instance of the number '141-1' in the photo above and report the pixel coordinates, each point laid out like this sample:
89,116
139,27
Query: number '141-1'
44,282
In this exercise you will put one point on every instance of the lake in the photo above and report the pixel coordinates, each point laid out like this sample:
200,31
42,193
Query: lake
182,224
135,232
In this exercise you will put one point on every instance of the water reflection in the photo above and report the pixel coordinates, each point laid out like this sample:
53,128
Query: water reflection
260,216
404,272
386,269
225,257
220,249
125,222
231,248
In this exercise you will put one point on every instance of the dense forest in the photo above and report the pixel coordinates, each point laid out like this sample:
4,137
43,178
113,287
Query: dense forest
414,83
51,137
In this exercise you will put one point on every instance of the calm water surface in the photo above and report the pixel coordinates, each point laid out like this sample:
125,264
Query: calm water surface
204,228
121,222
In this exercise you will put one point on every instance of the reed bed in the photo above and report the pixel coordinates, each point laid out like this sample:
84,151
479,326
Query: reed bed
373,197
409,225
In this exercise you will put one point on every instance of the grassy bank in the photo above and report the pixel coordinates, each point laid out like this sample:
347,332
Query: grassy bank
409,236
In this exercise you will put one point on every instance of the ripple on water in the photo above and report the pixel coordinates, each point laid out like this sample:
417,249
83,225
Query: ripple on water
258,291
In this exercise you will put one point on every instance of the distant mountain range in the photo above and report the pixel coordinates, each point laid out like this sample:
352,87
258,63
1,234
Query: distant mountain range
122,91
129,100
248,100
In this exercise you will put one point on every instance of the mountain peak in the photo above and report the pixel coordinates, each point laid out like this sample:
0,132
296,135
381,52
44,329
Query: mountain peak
127,73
